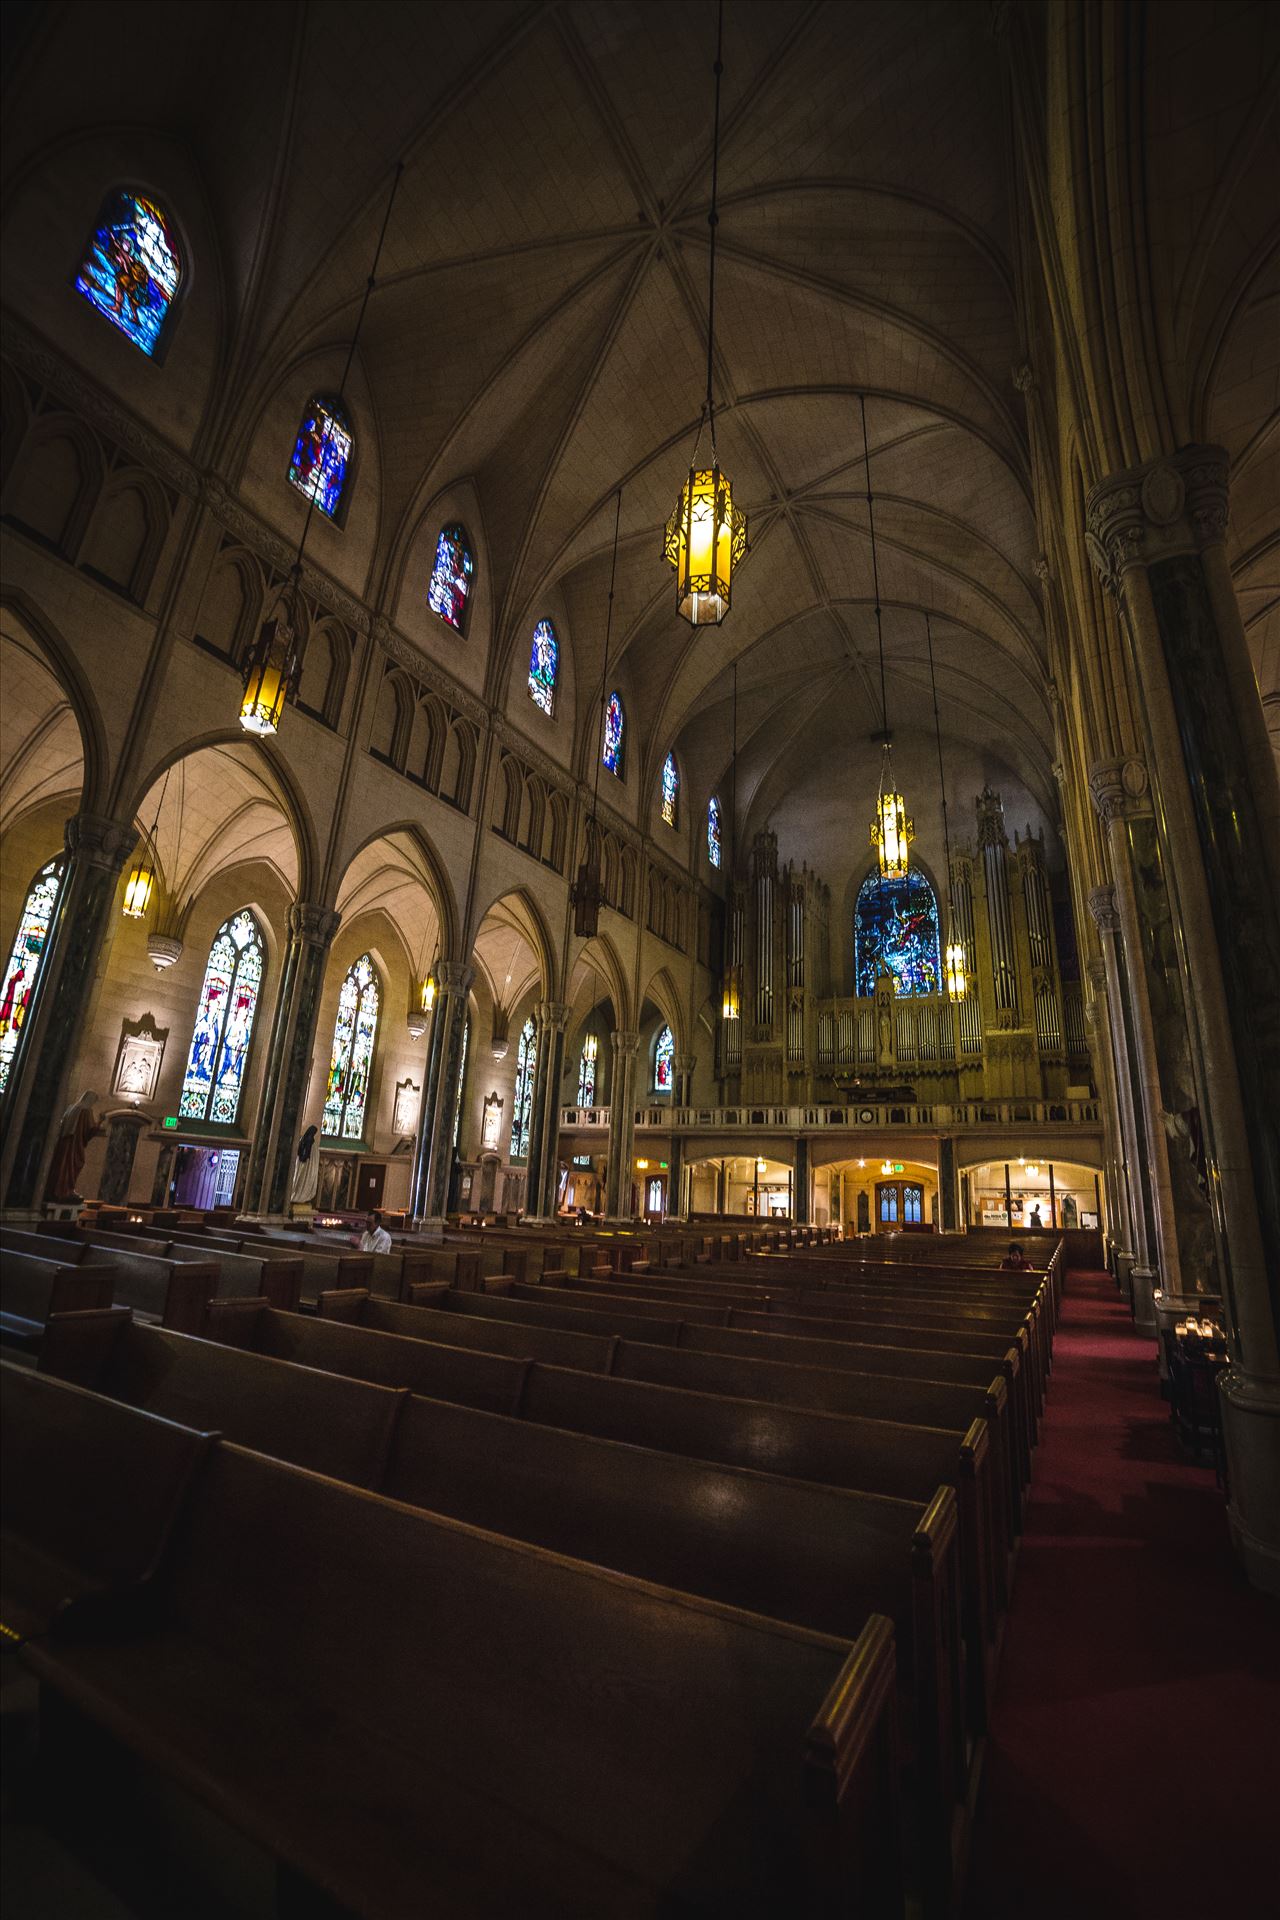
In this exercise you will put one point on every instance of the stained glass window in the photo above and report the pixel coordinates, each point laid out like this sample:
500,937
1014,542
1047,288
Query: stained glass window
670,789
451,577
229,996
663,1061
587,1074
321,455
131,268
895,925
462,1080
544,664
351,1062
522,1104
614,721
713,831
24,960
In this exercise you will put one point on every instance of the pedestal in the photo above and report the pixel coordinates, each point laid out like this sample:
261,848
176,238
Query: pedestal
1145,1281
1251,1431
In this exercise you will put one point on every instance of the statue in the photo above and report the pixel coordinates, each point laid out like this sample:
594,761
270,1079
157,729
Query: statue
77,1129
306,1172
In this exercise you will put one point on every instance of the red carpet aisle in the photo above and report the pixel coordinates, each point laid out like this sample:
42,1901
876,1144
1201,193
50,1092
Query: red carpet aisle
1134,1762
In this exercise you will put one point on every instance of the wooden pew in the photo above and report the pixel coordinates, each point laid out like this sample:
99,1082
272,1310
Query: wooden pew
568,1742
32,1289
137,1260
90,1493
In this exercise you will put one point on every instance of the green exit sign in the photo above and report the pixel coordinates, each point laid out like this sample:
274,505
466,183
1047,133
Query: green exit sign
170,1120
663,1165
897,1166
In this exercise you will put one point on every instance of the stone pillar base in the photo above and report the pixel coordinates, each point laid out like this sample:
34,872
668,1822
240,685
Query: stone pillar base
1145,1281
428,1228
1251,1430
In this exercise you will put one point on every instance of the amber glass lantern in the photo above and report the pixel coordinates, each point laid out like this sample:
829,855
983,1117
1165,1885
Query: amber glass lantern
270,673
730,1005
706,537
139,887
891,831
954,965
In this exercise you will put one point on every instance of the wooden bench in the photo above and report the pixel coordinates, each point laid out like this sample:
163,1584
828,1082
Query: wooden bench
135,1259
32,1289
568,1741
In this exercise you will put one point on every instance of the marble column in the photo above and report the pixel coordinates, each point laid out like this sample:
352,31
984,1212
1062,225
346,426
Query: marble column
622,1125
675,1178
1125,1077
290,1052
96,851
433,1148
1156,535
948,1185
1097,1021
802,1212
1119,790
551,1017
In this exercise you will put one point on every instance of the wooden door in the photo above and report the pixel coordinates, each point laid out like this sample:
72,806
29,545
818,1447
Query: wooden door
370,1183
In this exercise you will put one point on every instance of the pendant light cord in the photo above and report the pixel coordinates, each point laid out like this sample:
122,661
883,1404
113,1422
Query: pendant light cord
713,221
875,569
942,779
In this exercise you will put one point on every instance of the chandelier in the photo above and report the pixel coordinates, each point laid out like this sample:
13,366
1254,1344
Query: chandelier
891,831
272,664
141,884
420,1014
953,955
706,535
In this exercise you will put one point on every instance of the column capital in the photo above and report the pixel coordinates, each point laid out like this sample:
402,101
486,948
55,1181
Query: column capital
1174,504
1120,788
314,925
99,840
1102,906
684,1062
1096,974
454,977
624,1042
553,1014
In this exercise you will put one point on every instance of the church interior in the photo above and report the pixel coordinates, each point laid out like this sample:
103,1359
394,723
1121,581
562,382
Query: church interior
640,910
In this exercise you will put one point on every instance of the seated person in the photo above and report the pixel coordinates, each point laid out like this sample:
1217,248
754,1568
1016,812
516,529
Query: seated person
375,1238
1016,1260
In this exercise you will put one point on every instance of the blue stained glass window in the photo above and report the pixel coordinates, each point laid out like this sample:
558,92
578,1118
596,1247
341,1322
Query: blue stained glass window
713,831
131,268
351,1061
544,664
522,1104
663,1061
451,577
321,455
587,1077
212,1084
614,722
670,789
24,960
895,925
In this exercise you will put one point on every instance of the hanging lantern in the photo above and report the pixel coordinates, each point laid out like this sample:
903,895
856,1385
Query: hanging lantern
706,537
421,1014
590,1047
955,968
270,675
139,888
891,831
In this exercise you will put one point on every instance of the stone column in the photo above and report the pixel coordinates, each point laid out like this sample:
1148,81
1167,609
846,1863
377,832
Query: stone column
1156,536
948,1185
551,1017
1118,788
96,851
290,1052
682,1065
622,1125
1125,1077
1097,1022
800,1183
675,1177
124,1130
433,1149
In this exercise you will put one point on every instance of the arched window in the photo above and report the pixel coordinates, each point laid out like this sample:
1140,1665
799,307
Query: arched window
522,1103
351,1062
214,1078
670,789
451,577
544,665
24,960
131,268
614,722
321,455
895,926
713,831
587,1072
462,1080
663,1061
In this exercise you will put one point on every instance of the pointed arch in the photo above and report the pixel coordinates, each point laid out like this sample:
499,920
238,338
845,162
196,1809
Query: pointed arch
522,1098
449,588
25,958
714,850
320,464
895,927
225,1014
544,668
613,750
355,1037
671,790
663,1077
132,268
432,875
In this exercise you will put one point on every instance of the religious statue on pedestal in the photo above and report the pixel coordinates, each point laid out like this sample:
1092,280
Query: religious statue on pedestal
77,1129
306,1172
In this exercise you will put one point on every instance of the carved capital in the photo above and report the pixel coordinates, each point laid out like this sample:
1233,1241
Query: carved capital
1170,506
314,926
1043,571
684,1062
1119,788
624,1043
552,1015
1023,377
1096,974
1102,906
99,841
454,977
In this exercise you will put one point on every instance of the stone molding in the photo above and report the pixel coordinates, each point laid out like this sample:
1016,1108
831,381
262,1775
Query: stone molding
1170,506
625,1043
1102,906
1120,789
553,1015
454,977
1096,973
315,926
99,840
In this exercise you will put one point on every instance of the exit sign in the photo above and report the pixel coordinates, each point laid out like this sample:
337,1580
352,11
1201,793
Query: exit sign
170,1120
897,1166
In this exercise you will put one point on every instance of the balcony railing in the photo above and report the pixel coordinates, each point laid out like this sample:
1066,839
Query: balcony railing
941,1116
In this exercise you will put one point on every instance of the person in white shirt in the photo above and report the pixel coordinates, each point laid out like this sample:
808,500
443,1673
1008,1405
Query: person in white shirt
375,1238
